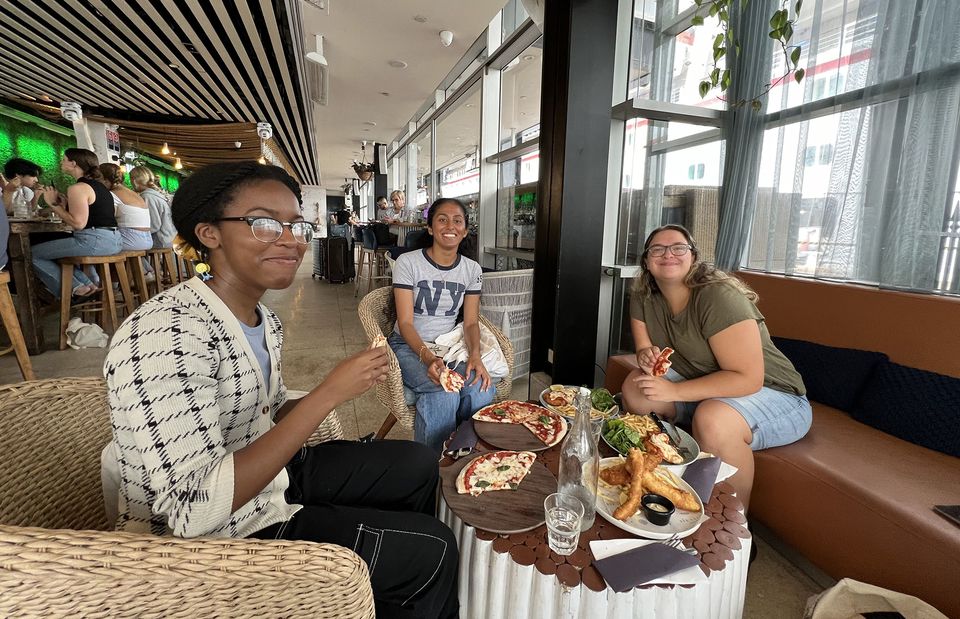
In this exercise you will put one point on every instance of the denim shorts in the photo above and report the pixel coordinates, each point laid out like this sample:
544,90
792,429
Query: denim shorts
775,417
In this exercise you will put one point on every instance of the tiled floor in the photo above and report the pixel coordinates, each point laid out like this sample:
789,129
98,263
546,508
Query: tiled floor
321,327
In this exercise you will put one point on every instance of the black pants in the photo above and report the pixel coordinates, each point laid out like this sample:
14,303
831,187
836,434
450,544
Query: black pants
378,499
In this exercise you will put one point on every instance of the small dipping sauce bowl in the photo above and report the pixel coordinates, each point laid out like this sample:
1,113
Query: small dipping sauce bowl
657,509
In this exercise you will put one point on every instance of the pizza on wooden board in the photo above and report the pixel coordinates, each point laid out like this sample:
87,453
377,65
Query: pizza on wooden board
546,425
497,470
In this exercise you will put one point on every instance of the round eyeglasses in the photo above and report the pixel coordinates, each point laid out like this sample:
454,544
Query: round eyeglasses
678,249
268,229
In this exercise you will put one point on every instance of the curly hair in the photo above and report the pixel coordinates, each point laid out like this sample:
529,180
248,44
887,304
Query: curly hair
700,273
203,196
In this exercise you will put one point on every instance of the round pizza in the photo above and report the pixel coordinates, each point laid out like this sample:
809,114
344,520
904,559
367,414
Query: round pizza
546,425
497,470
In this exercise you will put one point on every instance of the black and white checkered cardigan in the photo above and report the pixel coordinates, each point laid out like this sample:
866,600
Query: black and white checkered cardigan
185,392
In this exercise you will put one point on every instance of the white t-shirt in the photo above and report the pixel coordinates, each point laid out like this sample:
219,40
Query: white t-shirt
438,291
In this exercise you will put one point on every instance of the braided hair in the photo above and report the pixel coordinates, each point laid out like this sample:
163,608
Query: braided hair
204,196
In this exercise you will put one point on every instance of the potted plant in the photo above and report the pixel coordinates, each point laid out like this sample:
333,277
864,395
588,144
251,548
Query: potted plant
363,169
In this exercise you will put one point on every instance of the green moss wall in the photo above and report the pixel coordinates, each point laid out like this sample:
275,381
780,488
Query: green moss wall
45,148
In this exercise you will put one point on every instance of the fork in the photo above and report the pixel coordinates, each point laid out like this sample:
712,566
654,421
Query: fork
677,544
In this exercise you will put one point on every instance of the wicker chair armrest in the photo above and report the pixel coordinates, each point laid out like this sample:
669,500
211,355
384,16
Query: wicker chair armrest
329,430
59,572
505,386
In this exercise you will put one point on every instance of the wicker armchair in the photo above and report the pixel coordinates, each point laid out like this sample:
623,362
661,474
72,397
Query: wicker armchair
58,559
378,314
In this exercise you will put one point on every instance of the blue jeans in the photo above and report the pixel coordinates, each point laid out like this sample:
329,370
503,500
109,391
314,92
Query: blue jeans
438,412
89,242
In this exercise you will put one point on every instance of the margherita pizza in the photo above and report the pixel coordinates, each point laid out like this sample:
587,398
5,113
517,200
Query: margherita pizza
497,470
546,425
662,364
451,381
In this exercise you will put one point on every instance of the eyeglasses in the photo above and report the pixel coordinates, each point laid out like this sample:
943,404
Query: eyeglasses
268,229
658,251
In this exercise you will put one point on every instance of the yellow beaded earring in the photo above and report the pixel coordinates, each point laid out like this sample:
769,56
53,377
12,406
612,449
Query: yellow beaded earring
186,251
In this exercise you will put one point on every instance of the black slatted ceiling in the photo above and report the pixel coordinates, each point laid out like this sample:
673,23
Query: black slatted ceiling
238,62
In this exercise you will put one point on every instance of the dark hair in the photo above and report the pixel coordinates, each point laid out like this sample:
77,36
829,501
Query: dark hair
23,167
427,239
112,173
86,160
384,198
204,195
700,274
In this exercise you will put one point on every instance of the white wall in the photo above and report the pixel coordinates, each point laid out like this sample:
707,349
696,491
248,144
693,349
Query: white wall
314,203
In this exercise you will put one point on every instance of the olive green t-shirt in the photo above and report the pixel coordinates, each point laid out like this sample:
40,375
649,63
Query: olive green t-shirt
711,309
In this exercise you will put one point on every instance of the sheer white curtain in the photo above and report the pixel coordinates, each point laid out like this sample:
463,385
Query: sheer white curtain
858,174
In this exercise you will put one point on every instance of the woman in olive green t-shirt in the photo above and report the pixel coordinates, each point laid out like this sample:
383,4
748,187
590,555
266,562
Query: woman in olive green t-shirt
727,378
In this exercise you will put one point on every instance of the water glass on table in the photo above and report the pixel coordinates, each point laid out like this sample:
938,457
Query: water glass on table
563,515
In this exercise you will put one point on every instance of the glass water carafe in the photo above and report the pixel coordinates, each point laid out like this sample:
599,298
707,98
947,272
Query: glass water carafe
580,462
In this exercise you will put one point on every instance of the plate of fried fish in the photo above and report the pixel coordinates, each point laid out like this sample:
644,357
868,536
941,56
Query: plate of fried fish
624,481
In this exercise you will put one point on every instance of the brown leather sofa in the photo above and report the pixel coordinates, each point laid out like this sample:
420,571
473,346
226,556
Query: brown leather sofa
853,500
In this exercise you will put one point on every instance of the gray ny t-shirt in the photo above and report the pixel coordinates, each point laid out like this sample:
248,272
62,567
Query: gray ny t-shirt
438,291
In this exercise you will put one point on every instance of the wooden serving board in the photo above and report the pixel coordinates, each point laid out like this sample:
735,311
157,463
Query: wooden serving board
512,436
501,511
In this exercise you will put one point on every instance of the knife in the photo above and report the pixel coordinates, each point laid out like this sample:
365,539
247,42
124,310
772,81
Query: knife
675,439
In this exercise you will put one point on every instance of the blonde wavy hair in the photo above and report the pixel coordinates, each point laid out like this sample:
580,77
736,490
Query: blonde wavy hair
700,274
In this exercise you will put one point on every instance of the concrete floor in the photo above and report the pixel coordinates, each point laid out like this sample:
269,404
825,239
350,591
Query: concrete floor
321,327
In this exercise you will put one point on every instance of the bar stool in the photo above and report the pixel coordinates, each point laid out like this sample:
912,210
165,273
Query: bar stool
374,257
138,280
162,260
12,325
107,306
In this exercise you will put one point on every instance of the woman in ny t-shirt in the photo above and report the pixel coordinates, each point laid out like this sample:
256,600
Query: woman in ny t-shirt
727,378
430,286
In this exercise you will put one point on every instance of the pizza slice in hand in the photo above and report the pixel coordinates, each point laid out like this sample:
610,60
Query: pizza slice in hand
451,381
662,364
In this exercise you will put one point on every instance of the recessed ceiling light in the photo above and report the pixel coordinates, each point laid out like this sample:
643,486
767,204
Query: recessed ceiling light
468,105
366,130
385,93
370,123
522,97
529,57
398,64
173,65
523,113
420,19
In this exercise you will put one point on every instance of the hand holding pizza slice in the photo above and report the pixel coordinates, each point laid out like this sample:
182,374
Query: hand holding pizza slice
451,381
662,364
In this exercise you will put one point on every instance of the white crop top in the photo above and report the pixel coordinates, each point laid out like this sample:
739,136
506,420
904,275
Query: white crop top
130,216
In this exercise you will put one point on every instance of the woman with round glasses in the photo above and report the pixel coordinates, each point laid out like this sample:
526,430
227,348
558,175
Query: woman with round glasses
206,439
727,378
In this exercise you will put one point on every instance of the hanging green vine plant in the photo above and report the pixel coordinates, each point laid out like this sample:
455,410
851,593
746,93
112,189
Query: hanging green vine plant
781,31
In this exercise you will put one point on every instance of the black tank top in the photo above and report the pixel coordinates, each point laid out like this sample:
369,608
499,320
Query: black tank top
102,210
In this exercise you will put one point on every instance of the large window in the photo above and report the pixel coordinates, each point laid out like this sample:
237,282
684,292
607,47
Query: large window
420,160
519,163
458,151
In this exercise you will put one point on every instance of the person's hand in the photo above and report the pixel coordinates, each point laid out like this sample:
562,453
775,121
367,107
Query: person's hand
356,374
646,357
3,182
433,370
657,388
475,364
10,185
51,196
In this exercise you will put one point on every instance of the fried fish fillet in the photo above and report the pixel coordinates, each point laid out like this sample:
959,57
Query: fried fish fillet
616,475
635,462
684,500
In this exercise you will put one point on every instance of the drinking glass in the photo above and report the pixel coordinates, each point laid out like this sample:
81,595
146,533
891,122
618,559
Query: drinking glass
563,514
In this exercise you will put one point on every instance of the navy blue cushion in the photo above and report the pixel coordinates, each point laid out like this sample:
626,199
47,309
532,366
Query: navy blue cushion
915,405
833,376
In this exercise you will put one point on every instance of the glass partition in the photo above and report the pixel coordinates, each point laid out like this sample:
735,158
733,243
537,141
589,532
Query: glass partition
421,163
